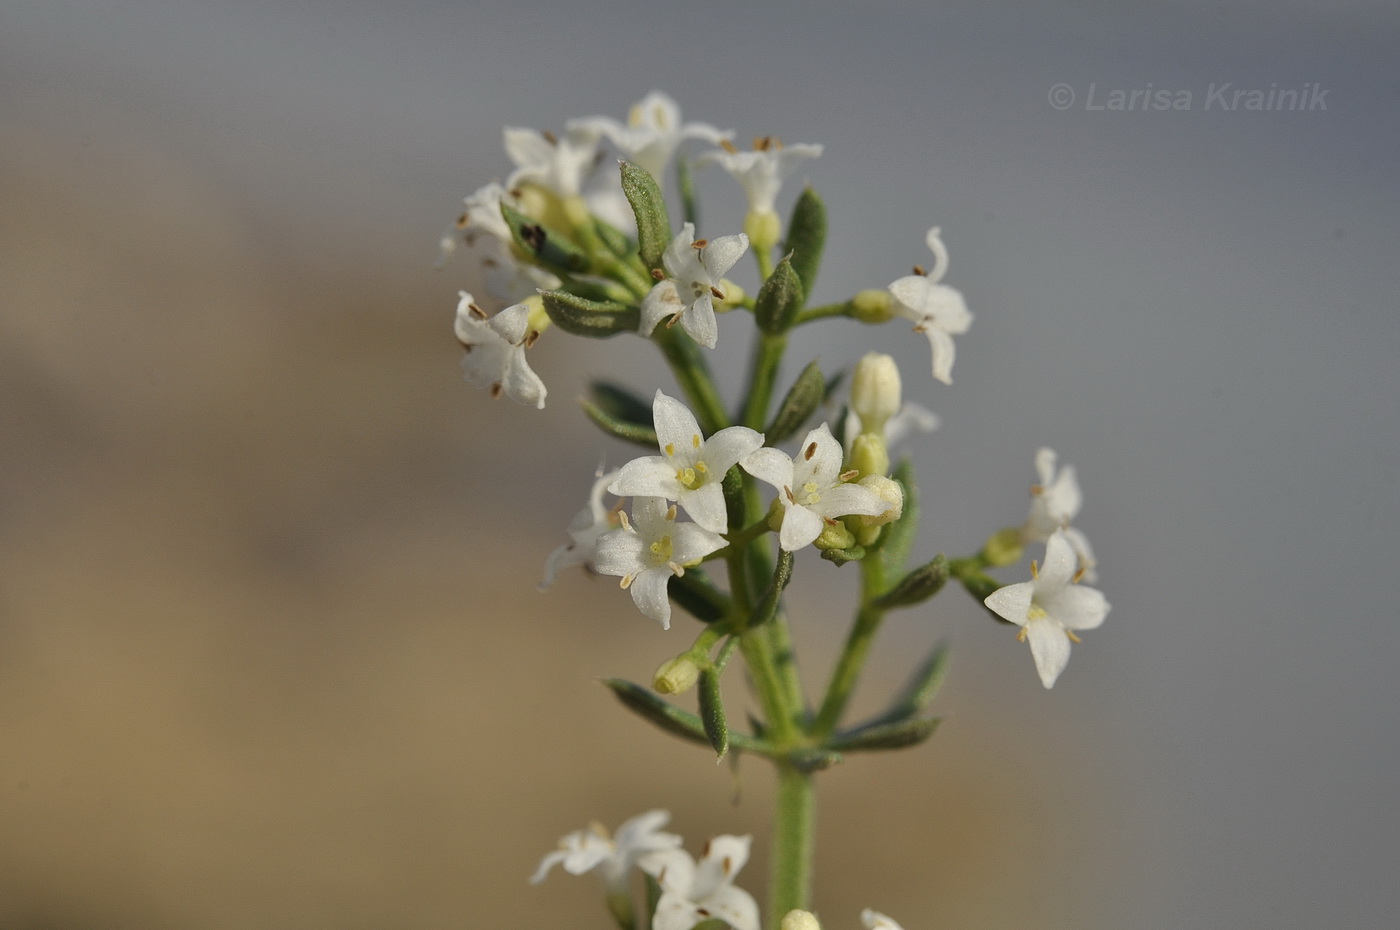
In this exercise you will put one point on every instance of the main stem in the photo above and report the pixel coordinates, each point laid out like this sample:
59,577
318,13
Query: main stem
794,836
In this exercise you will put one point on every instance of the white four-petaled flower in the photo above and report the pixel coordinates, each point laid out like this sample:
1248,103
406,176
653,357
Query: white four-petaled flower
690,469
1055,502
761,172
495,351
588,524
812,487
654,131
649,549
694,271
612,856
938,311
1050,607
692,892
559,164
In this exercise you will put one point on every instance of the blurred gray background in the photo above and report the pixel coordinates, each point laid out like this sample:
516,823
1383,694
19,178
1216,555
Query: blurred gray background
271,653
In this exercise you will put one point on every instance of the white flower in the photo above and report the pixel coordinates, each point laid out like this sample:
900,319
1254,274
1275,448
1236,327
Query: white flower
874,920
495,351
588,524
695,269
613,857
812,488
762,172
1050,607
558,164
692,892
690,469
938,311
649,549
1055,502
654,131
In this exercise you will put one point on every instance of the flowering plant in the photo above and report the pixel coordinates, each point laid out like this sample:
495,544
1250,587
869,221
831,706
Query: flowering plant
711,518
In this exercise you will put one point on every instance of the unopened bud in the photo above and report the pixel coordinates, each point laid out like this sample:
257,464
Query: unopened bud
835,537
1003,547
875,391
763,230
868,455
873,306
676,675
538,320
733,296
889,491
800,920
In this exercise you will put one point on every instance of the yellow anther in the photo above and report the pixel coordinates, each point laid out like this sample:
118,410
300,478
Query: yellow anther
1036,612
1035,570
695,441
702,468
670,448
661,550
626,582
1072,637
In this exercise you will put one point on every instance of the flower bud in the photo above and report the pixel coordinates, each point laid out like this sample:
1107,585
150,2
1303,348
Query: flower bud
763,230
868,455
873,306
733,296
800,920
1003,547
875,391
835,537
676,675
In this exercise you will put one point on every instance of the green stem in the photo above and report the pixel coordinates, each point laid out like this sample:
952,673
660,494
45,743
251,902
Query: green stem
763,375
691,370
862,635
765,263
793,843
809,314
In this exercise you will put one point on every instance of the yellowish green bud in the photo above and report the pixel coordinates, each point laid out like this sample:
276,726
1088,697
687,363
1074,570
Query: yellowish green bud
776,512
575,211
542,205
869,455
873,306
538,320
676,675
800,920
835,537
763,230
889,491
875,391
1003,547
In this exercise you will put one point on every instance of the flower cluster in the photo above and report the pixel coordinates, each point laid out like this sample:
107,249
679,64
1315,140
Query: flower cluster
719,513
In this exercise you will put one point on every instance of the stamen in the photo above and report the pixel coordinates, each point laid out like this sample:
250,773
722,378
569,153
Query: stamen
677,570
728,146
1037,490
699,243
626,582
716,292
497,390
1078,576
550,137
849,475
476,311
626,523
1021,635
532,338
658,275
675,318
671,512
727,865
1072,637
695,440
788,492
919,270
1035,570
462,221
810,451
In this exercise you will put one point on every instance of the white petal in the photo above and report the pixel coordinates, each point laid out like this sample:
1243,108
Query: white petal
721,254
521,383
724,449
680,254
642,829
850,499
673,912
1063,497
1077,607
649,594
651,517
912,292
1084,553
673,868
698,320
734,905
620,553
769,465
690,541
526,147
565,556
818,458
1049,647
649,476
512,324
874,920
1012,602
801,527
912,418
676,427
727,854
1045,466
706,507
547,863
941,345
662,301
1060,564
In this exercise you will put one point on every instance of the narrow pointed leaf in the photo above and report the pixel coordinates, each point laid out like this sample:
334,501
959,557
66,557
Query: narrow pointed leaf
898,539
779,300
917,586
620,413
690,208
712,712
806,237
802,400
596,319
549,246
658,712
767,606
812,759
617,241
918,691
885,735
653,226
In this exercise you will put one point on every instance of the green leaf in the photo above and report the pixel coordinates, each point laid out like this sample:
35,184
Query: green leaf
620,413
690,208
697,594
616,241
549,246
918,691
806,237
813,759
658,712
842,556
712,712
596,319
885,735
653,226
767,606
980,586
801,401
897,540
779,300
917,586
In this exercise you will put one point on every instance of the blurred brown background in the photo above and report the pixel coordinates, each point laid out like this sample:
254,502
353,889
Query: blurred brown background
271,649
